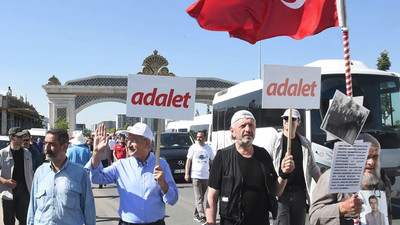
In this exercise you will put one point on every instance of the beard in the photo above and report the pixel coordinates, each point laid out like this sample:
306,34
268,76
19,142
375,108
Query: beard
245,142
49,155
372,179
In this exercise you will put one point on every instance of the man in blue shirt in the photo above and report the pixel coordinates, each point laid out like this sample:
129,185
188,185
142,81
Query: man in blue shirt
79,152
61,190
143,186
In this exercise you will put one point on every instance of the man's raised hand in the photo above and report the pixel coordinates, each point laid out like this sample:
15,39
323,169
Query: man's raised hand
100,141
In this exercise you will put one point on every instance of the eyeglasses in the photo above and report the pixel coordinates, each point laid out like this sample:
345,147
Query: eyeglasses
25,140
287,118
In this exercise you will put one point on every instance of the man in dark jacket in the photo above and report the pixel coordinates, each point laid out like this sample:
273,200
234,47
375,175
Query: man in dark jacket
36,157
243,178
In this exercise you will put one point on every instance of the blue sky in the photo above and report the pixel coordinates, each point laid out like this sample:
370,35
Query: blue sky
76,39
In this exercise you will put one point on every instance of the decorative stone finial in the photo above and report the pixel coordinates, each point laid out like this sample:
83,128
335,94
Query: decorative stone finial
53,81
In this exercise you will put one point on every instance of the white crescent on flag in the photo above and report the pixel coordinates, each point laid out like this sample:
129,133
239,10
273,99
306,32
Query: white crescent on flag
294,5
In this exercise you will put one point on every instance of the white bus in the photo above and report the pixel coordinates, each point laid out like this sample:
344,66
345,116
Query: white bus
199,123
381,93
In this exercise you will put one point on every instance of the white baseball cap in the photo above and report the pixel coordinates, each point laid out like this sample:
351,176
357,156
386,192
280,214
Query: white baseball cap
295,114
139,129
240,115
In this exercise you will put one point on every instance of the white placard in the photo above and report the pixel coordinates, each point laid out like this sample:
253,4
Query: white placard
348,166
161,97
291,87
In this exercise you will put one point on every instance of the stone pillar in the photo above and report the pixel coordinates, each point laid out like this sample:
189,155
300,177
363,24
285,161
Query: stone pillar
71,116
63,101
52,115
4,130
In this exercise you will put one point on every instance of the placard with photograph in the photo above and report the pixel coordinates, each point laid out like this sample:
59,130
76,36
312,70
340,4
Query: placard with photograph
374,210
345,118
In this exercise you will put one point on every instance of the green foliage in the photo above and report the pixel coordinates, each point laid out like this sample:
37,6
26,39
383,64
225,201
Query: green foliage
197,113
62,123
208,109
386,106
110,131
87,133
126,126
384,61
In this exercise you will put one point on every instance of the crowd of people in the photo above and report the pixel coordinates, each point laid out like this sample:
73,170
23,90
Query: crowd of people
245,183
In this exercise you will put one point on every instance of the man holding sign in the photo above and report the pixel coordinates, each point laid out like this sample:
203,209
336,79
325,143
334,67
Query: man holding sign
143,186
292,203
338,208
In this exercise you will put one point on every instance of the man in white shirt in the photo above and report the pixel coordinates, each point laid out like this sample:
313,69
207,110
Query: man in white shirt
198,164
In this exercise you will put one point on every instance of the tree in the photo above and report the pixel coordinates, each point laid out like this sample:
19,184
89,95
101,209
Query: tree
111,130
384,61
126,126
197,113
38,122
208,109
62,123
386,99
87,133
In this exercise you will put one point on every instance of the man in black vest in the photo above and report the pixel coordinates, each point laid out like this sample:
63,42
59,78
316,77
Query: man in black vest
243,178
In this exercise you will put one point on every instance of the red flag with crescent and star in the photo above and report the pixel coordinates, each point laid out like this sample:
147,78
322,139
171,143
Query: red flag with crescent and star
254,20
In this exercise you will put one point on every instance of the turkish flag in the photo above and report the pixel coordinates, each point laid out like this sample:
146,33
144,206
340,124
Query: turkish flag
254,20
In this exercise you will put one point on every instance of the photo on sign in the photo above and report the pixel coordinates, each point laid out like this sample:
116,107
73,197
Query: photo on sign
345,118
374,209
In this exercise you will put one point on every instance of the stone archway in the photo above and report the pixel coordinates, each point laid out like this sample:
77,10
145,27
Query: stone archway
67,100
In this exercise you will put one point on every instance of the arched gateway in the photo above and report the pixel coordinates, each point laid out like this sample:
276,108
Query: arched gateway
67,100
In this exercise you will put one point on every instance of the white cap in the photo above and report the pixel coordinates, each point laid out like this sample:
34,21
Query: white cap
240,115
295,114
139,129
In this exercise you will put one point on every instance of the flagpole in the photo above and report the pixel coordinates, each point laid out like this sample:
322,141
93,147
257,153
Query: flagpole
341,9
347,62
259,58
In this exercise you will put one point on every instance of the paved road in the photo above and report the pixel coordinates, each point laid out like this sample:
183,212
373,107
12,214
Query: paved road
107,202
181,214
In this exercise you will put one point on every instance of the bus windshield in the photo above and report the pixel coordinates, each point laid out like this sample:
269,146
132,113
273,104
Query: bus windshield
381,96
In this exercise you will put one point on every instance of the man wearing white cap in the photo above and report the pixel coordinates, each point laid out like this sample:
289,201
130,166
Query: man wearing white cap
243,178
292,202
143,186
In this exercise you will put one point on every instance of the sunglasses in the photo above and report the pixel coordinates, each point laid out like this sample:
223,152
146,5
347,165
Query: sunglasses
25,140
287,118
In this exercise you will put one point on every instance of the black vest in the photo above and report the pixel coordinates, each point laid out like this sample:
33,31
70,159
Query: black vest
232,182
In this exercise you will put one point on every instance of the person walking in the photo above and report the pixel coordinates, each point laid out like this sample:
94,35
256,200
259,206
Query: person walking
16,174
61,190
36,156
79,152
293,202
119,150
243,178
144,187
199,159
338,208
